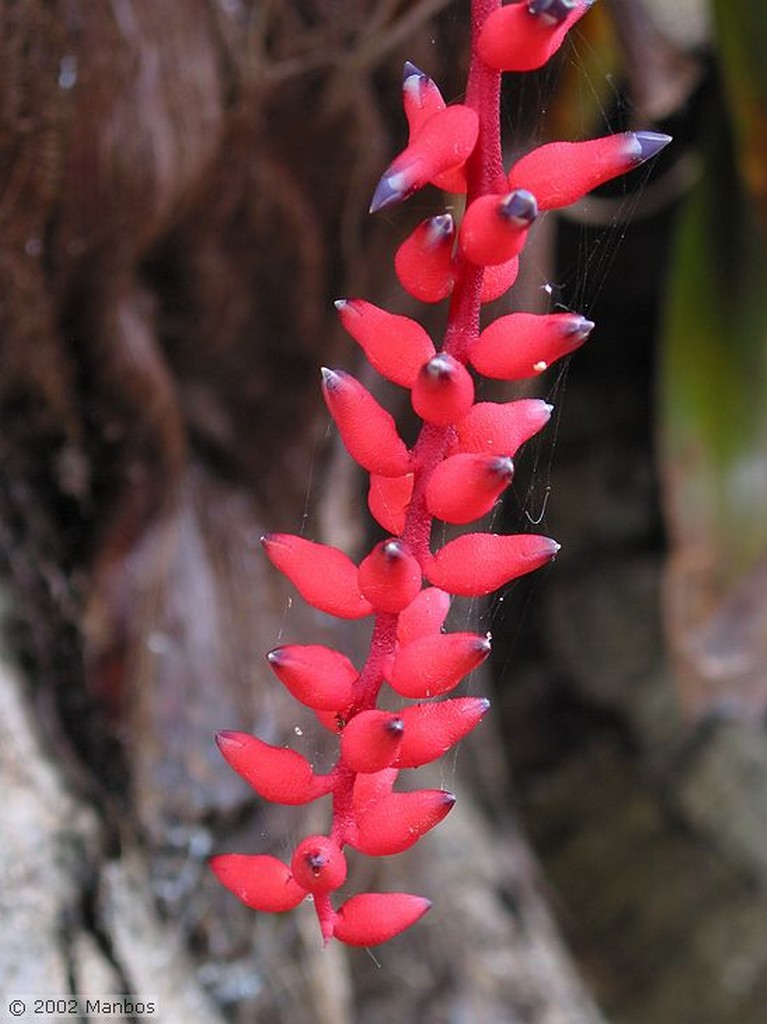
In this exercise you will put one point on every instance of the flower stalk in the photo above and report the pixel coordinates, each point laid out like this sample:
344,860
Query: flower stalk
456,471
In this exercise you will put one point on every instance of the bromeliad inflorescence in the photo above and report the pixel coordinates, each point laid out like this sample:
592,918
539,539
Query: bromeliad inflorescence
456,471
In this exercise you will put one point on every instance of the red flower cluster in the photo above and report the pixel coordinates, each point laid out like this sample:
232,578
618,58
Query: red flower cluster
456,471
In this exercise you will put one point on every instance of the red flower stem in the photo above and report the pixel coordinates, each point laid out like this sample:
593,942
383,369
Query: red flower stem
485,174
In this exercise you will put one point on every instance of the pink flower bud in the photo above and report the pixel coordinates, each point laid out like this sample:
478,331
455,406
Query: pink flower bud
478,563
317,676
397,821
318,864
443,391
494,228
500,429
432,729
370,742
435,664
262,882
523,36
523,345
443,141
395,345
370,788
465,487
388,499
367,430
370,918
390,577
277,774
498,278
424,261
560,173
324,576
424,617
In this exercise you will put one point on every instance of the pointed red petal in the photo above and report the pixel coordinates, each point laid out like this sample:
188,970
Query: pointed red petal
261,882
494,228
370,918
478,563
323,575
514,39
466,486
277,774
523,345
398,820
367,430
500,428
317,676
388,499
390,577
432,729
395,345
318,864
443,391
497,279
370,742
436,664
424,261
424,617
560,173
421,98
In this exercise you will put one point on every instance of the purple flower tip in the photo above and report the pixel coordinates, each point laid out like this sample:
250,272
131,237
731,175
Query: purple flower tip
650,143
440,228
519,205
554,11
411,71
391,189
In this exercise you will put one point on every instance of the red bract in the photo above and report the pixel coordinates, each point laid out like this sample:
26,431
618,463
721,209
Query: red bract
374,917
523,345
396,346
433,665
523,36
366,428
479,563
390,577
397,821
317,676
262,882
455,471
560,173
280,775
323,575
430,730
424,261
465,487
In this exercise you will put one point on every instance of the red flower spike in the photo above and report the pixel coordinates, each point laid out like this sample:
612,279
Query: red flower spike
424,261
498,278
262,882
430,730
317,676
277,774
523,36
523,345
443,391
494,228
496,428
323,575
371,741
560,173
318,864
388,499
433,665
478,563
465,487
367,430
424,617
395,345
390,577
397,821
444,140
369,789
374,917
